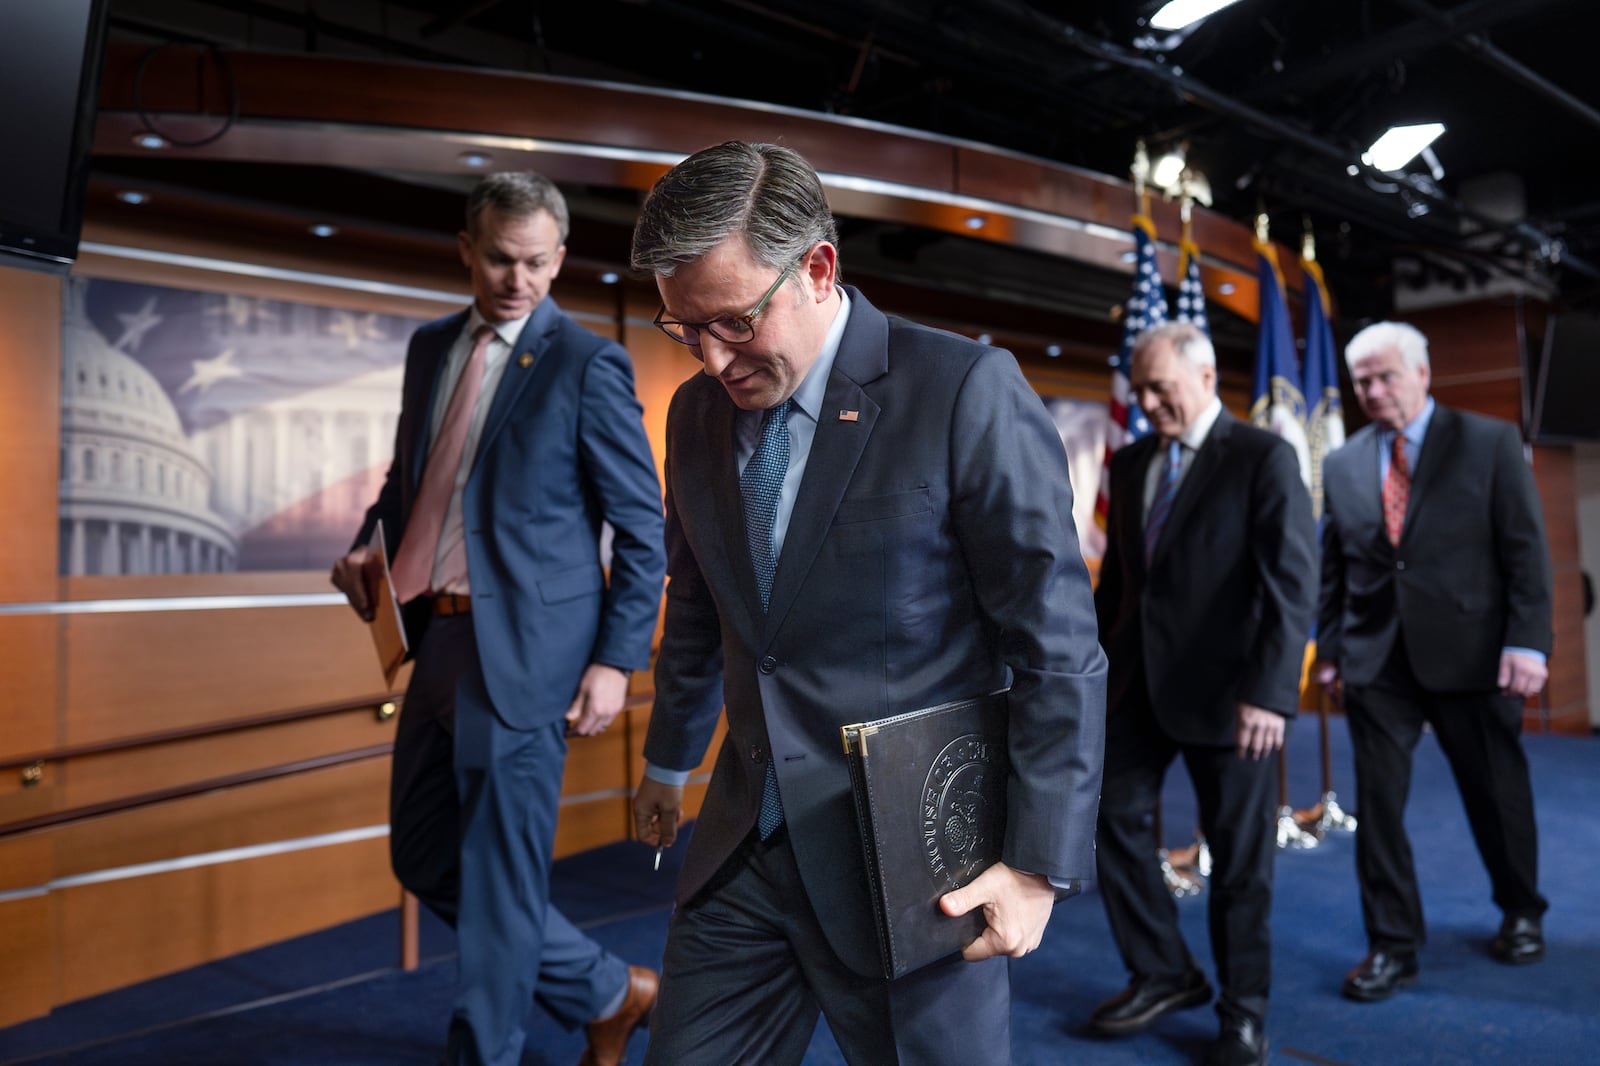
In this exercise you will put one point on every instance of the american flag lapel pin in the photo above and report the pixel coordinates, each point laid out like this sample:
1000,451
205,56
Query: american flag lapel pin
525,360
849,416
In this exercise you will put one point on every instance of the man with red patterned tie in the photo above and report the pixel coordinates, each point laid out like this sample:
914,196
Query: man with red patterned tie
1435,610
519,435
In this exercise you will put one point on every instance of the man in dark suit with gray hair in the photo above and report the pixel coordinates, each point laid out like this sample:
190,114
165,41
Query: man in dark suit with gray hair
864,517
1205,601
1436,610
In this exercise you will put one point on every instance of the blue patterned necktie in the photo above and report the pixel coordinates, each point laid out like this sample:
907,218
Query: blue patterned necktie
761,485
1161,505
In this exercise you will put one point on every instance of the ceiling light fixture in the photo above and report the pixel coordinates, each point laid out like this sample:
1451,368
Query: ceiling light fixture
322,229
132,196
475,160
1176,14
148,139
974,221
1168,169
1053,350
1400,145
609,278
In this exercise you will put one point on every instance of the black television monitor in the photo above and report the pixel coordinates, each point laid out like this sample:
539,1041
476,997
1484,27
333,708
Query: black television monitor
50,56
1566,380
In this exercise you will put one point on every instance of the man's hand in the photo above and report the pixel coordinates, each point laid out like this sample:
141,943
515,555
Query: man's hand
1260,731
1521,675
655,812
1016,906
1325,672
352,575
601,693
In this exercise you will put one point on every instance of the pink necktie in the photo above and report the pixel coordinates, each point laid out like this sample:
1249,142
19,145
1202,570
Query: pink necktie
413,563
1396,491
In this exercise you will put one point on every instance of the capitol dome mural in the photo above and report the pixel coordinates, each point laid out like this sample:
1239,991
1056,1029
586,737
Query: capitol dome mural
134,497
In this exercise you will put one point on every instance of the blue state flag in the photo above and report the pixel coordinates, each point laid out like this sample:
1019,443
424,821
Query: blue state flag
1325,417
1277,403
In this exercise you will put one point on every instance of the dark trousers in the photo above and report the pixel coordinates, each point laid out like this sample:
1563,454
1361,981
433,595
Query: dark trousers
748,970
1480,734
472,810
1236,801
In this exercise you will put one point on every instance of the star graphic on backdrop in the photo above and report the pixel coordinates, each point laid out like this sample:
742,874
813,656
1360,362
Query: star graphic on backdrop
242,309
208,372
355,329
136,325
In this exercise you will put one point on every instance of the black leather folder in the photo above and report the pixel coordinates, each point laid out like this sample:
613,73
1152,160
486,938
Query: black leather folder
930,794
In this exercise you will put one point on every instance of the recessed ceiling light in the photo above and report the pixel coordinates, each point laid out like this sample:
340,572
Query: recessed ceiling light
475,160
132,196
974,222
1226,288
149,139
609,278
322,229
1052,350
984,338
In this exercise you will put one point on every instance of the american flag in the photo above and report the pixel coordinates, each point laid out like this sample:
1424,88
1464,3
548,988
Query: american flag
1146,307
1191,295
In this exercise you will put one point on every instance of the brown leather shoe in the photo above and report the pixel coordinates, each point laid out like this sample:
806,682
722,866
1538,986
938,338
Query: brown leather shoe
608,1037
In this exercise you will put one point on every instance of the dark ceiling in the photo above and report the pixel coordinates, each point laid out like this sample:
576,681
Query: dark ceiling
1276,99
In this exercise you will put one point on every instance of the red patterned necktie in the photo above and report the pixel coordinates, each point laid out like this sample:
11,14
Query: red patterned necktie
1396,490
413,563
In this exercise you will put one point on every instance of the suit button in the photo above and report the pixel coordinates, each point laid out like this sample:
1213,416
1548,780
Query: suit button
1399,564
768,665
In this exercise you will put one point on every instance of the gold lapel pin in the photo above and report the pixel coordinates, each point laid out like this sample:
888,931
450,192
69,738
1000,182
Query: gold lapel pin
525,360
849,416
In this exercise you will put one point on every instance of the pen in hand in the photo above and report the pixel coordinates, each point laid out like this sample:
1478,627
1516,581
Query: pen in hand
658,857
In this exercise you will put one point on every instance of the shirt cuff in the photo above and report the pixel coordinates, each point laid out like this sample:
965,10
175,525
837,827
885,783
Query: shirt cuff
661,775
1529,652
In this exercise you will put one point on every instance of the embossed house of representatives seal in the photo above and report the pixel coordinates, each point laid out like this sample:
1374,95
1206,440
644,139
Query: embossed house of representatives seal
963,810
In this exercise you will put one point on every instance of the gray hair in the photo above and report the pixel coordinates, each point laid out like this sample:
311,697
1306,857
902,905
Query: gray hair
1186,338
1400,337
518,194
766,193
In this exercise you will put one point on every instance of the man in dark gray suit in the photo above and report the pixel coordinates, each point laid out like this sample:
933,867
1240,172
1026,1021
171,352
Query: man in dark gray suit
864,517
1436,608
1205,601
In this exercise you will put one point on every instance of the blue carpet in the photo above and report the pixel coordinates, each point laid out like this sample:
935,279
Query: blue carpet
335,997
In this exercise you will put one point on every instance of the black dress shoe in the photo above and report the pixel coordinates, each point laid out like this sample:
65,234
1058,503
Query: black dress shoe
1241,1043
1521,940
1378,975
1146,999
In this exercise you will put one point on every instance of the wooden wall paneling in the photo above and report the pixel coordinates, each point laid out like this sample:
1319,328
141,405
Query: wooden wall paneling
592,823
1566,698
139,672
28,649
350,796
92,779
29,961
118,932
30,429
1496,397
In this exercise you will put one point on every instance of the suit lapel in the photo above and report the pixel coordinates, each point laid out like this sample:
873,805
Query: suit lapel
1210,459
863,357
531,345
1365,491
436,353
1438,442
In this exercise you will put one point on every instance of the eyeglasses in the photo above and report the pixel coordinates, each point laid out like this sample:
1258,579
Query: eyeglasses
736,330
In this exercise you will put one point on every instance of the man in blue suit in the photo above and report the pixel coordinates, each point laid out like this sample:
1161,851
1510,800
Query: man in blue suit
864,517
519,435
